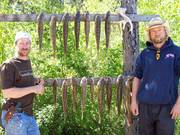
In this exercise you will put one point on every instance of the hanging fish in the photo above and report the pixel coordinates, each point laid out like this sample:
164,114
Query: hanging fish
127,98
119,91
65,20
40,22
83,84
109,92
91,82
74,93
55,93
77,22
100,93
107,28
87,27
97,30
64,97
53,33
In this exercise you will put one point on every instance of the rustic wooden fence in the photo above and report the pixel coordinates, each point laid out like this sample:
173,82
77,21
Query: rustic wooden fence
47,17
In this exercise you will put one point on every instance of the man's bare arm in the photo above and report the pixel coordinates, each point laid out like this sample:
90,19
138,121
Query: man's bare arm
134,104
15,92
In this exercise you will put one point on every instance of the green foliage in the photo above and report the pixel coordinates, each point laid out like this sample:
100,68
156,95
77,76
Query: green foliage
167,9
52,121
177,126
84,62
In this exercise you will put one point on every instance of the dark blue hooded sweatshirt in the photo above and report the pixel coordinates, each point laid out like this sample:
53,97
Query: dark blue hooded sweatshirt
159,78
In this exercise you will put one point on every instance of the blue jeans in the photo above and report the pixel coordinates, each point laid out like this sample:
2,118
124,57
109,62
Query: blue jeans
20,124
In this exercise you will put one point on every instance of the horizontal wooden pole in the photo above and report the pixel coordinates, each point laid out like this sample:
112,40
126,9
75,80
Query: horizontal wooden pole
33,17
49,82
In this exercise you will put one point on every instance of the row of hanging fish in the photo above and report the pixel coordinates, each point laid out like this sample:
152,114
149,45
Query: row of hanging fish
77,23
103,90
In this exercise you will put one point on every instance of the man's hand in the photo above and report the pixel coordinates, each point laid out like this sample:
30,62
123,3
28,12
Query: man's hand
175,112
40,87
134,107
37,80
134,103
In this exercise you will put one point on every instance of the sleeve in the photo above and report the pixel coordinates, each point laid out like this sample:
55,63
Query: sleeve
177,61
138,72
177,65
7,76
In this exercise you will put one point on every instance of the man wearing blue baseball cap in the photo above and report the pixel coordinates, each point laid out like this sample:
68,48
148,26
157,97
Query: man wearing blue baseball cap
155,86
19,87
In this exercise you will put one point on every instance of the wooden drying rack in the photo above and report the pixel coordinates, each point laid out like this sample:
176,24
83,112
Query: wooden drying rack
130,54
46,17
49,82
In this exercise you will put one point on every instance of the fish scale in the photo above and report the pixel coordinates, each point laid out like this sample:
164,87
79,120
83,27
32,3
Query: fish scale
109,92
91,81
107,28
40,28
64,97
83,94
97,30
119,90
127,98
77,22
74,93
53,33
65,20
87,27
100,93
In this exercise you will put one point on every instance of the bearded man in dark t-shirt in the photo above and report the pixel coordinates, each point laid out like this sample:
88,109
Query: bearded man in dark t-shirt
19,87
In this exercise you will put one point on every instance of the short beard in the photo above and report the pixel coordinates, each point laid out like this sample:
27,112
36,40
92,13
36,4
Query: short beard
22,54
159,40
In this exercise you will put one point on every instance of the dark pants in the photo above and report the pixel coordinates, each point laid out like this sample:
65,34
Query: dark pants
156,120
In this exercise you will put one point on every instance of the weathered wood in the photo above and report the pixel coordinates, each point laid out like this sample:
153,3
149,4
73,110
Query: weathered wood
47,17
49,82
131,50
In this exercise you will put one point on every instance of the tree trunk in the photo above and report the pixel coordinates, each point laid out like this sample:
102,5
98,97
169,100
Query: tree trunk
131,50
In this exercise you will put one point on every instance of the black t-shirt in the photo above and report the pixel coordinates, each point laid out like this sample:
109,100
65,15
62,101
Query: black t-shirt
18,73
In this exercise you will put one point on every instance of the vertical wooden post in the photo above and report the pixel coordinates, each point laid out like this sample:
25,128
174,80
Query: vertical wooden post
131,48
130,41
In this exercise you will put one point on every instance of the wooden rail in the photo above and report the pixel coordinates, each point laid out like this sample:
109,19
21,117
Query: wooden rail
49,82
33,17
